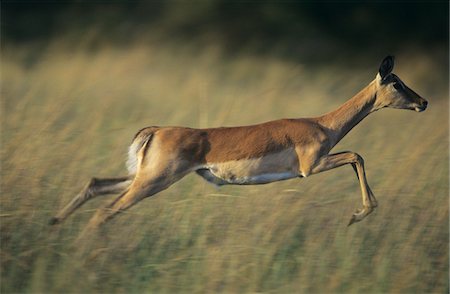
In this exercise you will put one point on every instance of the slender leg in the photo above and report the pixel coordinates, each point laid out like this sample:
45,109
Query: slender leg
142,187
94,187
372,198
336,160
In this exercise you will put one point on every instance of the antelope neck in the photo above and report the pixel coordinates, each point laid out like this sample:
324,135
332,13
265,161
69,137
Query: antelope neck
340,121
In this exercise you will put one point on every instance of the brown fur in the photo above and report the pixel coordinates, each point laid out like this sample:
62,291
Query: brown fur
255,154
235,143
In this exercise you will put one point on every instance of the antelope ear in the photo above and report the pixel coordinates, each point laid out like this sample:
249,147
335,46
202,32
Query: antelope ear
386,66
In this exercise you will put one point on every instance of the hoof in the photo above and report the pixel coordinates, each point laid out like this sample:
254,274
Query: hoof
352,221
355,218
359,215
53,221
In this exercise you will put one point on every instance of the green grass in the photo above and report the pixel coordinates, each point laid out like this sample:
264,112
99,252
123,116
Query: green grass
69,114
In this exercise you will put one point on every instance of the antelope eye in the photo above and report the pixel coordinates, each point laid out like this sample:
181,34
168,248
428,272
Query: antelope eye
397,86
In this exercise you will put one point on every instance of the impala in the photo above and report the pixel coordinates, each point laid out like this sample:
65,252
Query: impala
248,155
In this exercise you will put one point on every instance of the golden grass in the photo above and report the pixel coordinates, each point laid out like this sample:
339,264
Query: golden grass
68,115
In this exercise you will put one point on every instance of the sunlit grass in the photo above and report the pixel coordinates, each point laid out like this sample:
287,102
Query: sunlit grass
68,115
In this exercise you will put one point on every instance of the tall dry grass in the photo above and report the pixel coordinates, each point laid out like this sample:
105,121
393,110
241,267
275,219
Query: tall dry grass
69,114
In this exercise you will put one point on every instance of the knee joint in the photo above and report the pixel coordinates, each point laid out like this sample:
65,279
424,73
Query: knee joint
358,158
91,187
92,182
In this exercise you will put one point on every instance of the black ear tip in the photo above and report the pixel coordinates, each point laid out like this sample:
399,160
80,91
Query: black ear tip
390,58
386,66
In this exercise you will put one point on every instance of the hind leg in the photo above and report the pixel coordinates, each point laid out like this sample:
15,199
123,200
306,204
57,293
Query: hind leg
93,188
142,187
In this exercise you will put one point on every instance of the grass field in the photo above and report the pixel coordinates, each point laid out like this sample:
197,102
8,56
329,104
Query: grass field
69,114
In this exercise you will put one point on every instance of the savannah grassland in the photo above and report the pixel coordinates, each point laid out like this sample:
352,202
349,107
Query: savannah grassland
69,113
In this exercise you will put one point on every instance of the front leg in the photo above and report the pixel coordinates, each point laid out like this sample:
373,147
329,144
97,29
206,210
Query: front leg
372,198
331,161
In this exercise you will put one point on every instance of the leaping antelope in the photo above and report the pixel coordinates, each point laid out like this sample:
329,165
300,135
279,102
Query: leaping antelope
248,155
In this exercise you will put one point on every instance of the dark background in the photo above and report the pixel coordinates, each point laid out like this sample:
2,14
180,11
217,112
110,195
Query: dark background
80,78
297,29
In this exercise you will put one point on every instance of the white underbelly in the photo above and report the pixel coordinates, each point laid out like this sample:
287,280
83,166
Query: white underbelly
274,167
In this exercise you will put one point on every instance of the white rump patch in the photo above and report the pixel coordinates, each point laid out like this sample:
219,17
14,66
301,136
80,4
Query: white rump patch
132,157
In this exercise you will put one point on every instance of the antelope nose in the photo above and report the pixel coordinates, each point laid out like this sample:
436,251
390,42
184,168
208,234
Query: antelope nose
425,103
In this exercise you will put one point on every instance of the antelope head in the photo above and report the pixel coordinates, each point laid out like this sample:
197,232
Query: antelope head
393,93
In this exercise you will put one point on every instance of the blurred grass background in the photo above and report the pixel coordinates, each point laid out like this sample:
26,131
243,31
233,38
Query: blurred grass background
79,79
